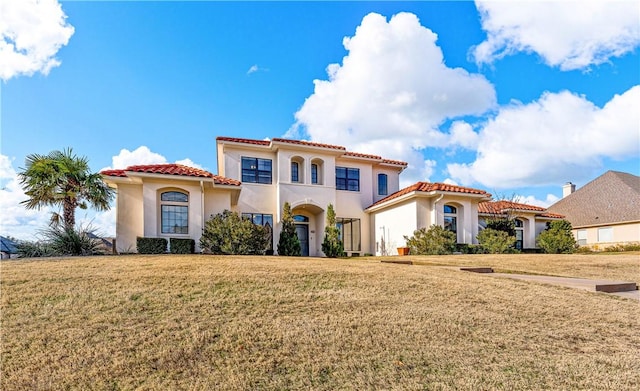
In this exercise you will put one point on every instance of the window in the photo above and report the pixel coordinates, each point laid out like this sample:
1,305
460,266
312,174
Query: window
348,179
295,167
349,233
265,220
605,234
519,233
256,170
382,184
314,174
451,218
582,237
174,212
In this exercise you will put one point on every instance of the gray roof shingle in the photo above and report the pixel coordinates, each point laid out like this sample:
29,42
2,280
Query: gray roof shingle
613,197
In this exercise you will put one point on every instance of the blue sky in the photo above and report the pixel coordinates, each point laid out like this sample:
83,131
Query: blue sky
513,99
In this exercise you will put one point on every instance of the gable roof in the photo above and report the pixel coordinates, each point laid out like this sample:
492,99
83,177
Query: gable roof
8,246
338,148
428,187
171,169
503,206
613,197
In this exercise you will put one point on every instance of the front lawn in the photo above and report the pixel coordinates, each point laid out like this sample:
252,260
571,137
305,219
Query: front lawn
207,322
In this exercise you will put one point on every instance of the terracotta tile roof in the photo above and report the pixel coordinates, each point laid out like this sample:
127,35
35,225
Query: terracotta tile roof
308,143
613,197
428,187
267,143
362,155
500,207
172,169
244,140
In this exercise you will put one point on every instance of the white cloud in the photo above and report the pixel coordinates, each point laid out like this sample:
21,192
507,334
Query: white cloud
143,155
532,200
560,137
391,93
254,68
190,163
16,220
571,35
462,134
32,32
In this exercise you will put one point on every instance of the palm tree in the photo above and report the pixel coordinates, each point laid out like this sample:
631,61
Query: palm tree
61,178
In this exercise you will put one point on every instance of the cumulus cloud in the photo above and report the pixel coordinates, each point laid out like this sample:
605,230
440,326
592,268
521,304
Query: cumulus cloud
32,32
143,155
567,34
17,221
391,93
532,200
560,137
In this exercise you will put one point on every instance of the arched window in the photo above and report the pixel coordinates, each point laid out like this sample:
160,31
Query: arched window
316,172
295,169
382,184
451,218
174,212
519,233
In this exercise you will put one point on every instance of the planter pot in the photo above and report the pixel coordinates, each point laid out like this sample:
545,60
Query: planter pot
403,250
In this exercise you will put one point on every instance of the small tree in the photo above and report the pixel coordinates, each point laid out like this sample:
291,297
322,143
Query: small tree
228,233
435,241
496,241
557,238
332,246
288,244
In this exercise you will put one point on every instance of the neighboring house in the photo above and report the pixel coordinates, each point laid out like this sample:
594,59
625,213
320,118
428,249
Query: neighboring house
8,248
605,211
421,205
256,178
529,220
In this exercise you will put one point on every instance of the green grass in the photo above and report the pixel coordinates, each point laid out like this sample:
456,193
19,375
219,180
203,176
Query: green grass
205,322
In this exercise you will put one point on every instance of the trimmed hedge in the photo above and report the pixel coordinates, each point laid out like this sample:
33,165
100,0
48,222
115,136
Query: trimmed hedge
151,245
182,246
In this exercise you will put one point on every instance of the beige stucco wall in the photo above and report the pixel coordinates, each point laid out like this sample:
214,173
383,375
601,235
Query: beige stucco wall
392,224
130,217
622,234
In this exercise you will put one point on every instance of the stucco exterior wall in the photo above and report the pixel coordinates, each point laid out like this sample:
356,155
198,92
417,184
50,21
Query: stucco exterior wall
390,226
130,217
622,234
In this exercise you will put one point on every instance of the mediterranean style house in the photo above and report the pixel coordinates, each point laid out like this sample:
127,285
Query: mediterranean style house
256,177
605,211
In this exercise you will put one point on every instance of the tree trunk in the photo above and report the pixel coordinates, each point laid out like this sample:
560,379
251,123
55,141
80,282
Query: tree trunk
69,212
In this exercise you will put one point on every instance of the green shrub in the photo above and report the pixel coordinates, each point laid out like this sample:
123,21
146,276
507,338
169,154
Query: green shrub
502,224
434,241
151,245
29,249
332,246
465,248
182,246
288,244
229,234
557,238
494,241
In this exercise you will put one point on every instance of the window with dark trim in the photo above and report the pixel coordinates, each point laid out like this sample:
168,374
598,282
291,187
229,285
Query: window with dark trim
255,170
314,174
451,218
519,226
347,178
174,212
349,233
382,184
295,168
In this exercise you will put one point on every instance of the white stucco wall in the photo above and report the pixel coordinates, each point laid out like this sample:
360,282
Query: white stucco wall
622,234
390,226
130,217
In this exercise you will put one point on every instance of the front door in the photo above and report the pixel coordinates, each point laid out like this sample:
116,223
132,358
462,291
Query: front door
302,230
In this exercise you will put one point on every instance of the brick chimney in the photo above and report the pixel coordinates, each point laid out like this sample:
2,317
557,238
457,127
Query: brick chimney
568,189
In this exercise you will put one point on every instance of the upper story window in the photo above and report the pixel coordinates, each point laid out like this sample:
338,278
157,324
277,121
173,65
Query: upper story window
451,218
348,179
314,173
382,184
174,212
255,170
295,171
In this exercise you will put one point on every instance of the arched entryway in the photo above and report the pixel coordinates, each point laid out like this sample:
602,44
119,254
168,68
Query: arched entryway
309,221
